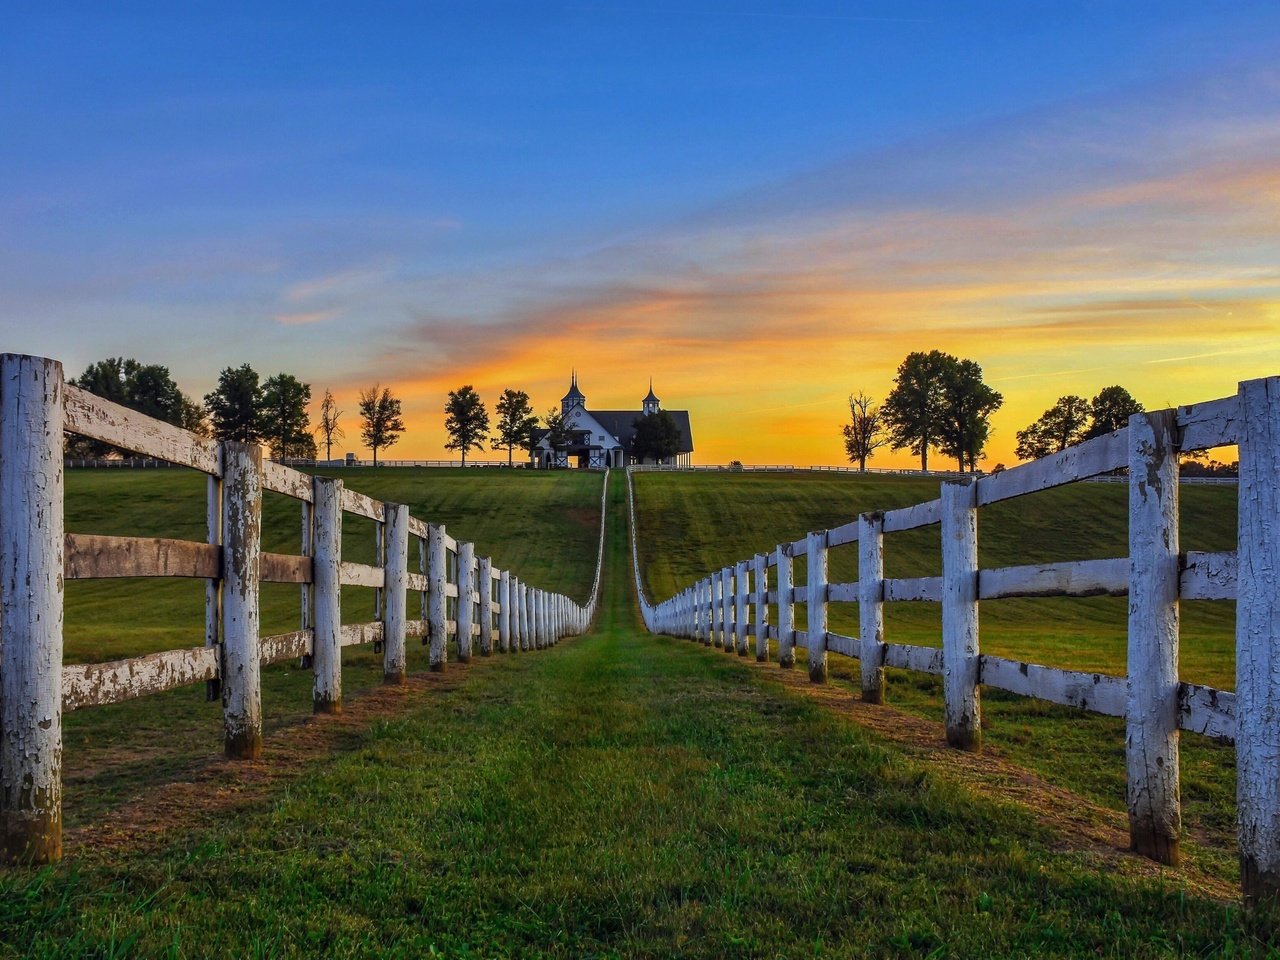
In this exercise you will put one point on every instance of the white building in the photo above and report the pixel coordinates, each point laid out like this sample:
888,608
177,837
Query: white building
603,438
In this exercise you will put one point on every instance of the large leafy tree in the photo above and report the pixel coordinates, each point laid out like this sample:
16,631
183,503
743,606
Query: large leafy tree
147,388
328,426
915,408
235,405
1063,424
657,437
284,422
381,422
1111,410
967,406
466,421
516,422
865,432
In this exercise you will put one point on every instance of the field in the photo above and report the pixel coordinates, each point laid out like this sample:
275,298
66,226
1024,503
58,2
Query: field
692,524
617,795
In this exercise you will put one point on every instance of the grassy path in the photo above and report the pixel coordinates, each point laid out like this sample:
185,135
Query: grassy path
619,795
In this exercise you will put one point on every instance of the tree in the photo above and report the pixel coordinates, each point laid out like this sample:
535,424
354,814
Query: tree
328,426
380,414
466,421
968,404
516,422
235,405
147,388
284,423
865,432
656,438
1111,409
558,435
914,410
1059,427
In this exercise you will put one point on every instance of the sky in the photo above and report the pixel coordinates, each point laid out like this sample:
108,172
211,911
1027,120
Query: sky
763,206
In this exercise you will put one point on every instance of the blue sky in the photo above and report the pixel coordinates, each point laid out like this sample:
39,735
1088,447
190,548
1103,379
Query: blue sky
395,192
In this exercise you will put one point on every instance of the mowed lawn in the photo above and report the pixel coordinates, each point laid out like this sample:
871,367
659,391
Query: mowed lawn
692,524
543,526
616,796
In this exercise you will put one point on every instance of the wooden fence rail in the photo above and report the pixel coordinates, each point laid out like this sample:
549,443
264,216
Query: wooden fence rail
461,595
1155,576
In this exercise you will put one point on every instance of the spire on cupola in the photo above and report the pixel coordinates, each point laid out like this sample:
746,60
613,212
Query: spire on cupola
651,403
574,398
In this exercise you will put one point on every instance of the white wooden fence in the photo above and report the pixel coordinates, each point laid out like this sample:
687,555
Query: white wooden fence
739,602
461,595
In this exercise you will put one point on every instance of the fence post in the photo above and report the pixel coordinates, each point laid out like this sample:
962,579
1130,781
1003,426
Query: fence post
742,586
714,619
1258,641
727,607
960,614
466,599
241,619
817,607
395,542
504,611
761,581
526,617
326,567
31,585
437,576
871,605
213,585
786,608
1151,708
484,581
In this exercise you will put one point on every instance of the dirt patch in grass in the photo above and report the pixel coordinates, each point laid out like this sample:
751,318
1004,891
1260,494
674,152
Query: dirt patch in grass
1081,825
218,787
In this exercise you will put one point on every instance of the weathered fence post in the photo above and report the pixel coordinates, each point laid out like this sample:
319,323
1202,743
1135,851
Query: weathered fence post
484,581
395,542
526,618
466,617
817,607
727,607
1151,708
213,585
761,580
1258,641
31,569
701,606
437,577
786,608
871,605
326,567
504,611
960,614
742,586
241,563
715,621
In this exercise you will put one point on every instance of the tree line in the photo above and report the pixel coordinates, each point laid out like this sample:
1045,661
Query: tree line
940,402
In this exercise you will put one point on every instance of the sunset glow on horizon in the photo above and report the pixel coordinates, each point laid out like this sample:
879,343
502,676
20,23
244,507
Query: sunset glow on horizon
762,214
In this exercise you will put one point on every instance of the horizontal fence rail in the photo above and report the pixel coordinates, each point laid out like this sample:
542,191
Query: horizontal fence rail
741,599
460,595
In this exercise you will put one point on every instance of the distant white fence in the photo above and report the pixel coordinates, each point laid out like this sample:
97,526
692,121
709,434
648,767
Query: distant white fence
461,595
723,609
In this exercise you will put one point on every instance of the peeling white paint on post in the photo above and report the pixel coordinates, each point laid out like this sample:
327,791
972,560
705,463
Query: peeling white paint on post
817,606
213,586
871,605
437,576
484,581
1151,709
466,598
31,607
395,596
1258,641
762,607
241,619
960,661
786,608
742,586
504,611
326,565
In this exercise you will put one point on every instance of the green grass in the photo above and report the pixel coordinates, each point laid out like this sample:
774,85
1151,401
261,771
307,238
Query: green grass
113,752
618,795
692,524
